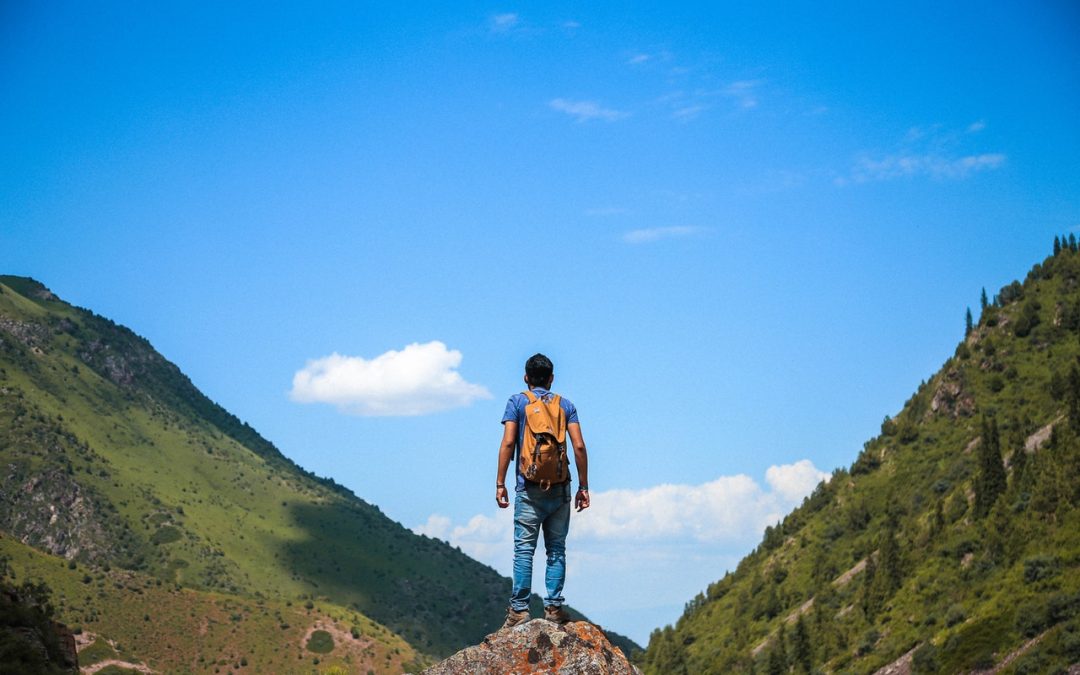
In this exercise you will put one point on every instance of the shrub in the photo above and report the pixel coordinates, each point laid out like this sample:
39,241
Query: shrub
1040,568
320,642
925,659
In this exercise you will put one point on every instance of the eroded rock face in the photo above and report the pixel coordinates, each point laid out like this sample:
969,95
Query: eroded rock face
540,646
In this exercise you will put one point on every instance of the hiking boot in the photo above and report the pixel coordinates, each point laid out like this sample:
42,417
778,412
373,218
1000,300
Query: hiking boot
556,614
513,618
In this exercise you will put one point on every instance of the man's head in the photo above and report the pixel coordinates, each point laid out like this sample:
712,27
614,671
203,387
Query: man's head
539,372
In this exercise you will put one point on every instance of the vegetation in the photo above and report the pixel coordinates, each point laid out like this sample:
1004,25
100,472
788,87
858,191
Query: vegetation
953,537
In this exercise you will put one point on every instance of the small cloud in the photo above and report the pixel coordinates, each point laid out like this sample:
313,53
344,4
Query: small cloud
502,23
638,58
687,113
651,234
794,481
584,111
744,92
418,380
976,127
933,165
570,25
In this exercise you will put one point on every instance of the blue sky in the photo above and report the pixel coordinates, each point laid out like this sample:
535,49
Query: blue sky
744,233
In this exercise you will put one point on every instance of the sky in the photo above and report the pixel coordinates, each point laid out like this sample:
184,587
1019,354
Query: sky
743,232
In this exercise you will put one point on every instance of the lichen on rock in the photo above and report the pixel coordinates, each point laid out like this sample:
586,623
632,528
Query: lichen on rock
540,646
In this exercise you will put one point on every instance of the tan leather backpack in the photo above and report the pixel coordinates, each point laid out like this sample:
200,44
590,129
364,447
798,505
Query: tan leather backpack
543,442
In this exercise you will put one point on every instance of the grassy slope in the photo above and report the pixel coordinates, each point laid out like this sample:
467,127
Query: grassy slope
180,630
178,497
967,589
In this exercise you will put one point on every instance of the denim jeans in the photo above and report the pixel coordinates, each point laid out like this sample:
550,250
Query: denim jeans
536,509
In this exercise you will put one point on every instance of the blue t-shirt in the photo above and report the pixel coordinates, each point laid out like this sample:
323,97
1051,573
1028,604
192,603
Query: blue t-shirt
515,412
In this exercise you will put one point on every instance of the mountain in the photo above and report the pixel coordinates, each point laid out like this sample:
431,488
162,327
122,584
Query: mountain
951,544
153,512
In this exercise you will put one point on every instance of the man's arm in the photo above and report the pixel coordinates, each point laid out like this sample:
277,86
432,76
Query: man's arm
581,458
506,453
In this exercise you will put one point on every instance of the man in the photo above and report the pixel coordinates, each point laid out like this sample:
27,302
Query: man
538,507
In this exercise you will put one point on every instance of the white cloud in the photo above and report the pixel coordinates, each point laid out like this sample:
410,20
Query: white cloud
792,482
687,113
976,127
933,165
584,111
501,23
744,92
650,234
571,25
638,58
419,379
727,509
659,544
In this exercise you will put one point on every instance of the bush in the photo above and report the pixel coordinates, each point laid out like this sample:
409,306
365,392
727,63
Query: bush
1040,568
925,659
955,615
1031,618
320,642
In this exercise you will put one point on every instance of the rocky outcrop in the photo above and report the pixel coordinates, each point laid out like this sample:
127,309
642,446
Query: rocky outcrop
52,512
540,646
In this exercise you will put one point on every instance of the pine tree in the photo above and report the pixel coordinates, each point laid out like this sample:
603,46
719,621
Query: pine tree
802,653
889,573
1072,399
990,481
983,302
1072,242
869,599
1057,246
968,323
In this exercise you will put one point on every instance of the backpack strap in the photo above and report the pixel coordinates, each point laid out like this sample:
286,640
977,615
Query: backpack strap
529,395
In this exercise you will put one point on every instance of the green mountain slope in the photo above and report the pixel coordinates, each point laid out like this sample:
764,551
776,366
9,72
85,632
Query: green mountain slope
951,544
112,459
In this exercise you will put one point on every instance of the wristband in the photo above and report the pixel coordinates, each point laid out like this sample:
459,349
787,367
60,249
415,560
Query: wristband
583,488
500,485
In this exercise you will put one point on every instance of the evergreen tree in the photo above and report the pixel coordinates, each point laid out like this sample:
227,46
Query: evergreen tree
889,573
802,653
983,302
1072,242
1072,399
1057,246
869,598
968,324
990,481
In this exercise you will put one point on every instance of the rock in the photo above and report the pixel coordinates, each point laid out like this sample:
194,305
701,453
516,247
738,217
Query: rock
540,646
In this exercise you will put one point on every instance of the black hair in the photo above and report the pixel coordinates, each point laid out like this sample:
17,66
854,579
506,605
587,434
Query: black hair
538,370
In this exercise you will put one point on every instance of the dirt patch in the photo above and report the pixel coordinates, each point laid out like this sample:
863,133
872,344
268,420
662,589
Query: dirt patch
844,578
100,665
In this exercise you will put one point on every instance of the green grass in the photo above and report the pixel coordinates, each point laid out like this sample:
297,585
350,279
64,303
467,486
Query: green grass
320,642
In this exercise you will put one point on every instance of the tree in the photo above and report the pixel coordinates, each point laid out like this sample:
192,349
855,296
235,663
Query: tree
983,302
968,323
778,659
990,481
1072,242
1057,246
1072,399
801,652
890,575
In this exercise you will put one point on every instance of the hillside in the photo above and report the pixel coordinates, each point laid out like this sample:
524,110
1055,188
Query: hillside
951,544
124,476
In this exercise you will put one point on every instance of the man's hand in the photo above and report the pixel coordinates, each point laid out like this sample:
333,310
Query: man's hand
581,500
501,498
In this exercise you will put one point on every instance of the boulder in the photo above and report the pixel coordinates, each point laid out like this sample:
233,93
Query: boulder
540,646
